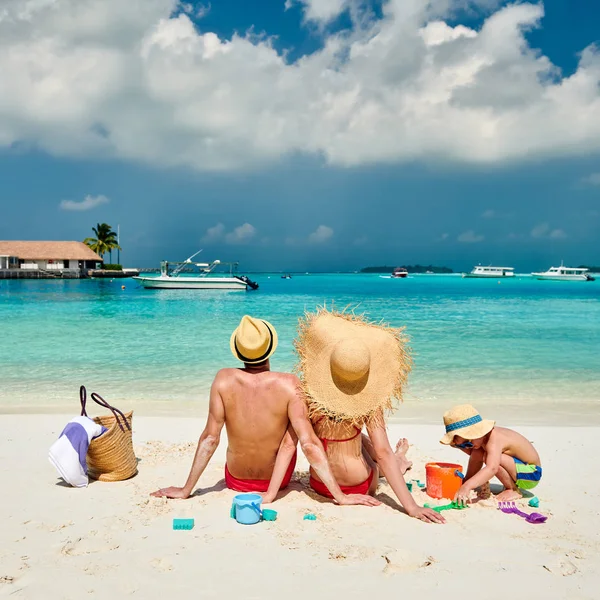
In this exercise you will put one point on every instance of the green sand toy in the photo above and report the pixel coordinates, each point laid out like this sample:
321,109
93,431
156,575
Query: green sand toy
418,482
310,517
452,505
269,515
409,485
183,523
534,502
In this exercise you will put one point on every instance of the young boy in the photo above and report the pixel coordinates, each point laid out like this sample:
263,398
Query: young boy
506,454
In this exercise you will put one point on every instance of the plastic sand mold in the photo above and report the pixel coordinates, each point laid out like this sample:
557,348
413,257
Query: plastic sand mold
183,523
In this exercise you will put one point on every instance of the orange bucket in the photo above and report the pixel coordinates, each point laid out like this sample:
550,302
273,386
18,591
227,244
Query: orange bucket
442,480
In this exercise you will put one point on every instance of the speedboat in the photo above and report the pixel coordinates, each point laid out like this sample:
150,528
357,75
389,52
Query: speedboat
563,273
399,273
490,272
205,279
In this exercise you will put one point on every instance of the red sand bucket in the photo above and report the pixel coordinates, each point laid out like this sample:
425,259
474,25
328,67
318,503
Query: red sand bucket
442,479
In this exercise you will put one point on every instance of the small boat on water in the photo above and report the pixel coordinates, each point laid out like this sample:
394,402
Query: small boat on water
490,272
563,273
205,279
399,273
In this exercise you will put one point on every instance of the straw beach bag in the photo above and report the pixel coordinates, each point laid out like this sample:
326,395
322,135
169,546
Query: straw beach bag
110,457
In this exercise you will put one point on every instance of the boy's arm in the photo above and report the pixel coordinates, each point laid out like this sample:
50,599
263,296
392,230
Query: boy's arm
286,451
473,467
314,452
207,444
389,465
492,464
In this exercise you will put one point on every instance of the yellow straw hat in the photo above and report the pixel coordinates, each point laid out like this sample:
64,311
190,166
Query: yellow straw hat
350,368
254,340
465,421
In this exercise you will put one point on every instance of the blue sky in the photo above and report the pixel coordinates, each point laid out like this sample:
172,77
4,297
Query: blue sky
331,137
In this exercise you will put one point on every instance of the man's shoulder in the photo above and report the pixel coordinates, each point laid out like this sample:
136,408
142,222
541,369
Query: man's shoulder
288,379
224,375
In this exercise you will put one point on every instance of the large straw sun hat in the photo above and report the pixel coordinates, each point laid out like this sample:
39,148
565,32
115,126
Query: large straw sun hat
254,340
465,421
350,369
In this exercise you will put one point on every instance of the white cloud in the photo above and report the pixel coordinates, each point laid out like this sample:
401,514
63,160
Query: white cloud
489,214
198,11
470,237
544,231
592,179
214,234
320,11
137,81
240,235
444,236
321,234
87,203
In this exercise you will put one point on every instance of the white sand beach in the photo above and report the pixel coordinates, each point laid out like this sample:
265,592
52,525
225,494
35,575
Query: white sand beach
111,540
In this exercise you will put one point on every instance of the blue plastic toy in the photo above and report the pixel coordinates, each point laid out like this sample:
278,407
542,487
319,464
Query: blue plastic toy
534,502
246,509
183,523
310,517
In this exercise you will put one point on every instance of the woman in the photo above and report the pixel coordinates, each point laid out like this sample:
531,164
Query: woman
350,371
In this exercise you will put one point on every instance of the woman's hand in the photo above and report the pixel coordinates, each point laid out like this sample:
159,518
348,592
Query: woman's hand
426,515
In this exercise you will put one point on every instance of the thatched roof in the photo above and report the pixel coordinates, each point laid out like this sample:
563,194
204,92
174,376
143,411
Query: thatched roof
48,250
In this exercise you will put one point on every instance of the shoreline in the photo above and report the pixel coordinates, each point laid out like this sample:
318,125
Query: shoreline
511,414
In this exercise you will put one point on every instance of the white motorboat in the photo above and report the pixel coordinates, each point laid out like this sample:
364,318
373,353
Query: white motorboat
399,273
491,272
563,273
206,279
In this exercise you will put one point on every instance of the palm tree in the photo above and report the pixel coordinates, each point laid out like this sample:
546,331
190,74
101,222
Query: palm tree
105,240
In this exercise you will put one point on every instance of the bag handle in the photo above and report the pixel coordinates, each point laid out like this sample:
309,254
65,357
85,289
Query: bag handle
102,402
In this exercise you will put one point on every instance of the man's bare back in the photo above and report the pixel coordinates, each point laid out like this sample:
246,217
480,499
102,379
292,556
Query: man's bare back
265,417
256,418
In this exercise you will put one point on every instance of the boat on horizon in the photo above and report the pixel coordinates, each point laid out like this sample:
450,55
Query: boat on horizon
490,272
399,273
563,273
206,279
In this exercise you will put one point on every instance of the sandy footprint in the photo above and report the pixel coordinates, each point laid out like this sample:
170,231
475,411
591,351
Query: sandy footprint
402,561
91,544
162,565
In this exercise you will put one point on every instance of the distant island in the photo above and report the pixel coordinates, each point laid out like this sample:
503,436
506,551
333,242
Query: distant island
409,268
591,269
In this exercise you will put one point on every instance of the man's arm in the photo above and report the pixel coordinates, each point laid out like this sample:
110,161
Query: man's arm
389,465
286,451
314,452
207,444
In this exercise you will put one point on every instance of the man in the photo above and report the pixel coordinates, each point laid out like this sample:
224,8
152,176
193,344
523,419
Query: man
263,413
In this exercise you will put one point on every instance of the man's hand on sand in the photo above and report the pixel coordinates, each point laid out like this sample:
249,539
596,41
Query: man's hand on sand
362,499
171,492
427,515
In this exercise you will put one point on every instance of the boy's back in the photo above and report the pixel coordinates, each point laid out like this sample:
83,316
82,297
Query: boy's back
514,444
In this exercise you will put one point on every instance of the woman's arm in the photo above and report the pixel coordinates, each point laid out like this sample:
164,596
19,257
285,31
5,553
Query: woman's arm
389,465
286,452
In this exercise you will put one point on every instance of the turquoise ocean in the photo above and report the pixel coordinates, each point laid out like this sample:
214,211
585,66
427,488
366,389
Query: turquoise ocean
520,349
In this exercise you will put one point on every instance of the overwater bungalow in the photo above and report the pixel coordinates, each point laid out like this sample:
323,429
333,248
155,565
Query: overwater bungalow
38,260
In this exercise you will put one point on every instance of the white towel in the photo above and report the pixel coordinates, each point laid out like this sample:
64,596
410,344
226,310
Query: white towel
68,453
